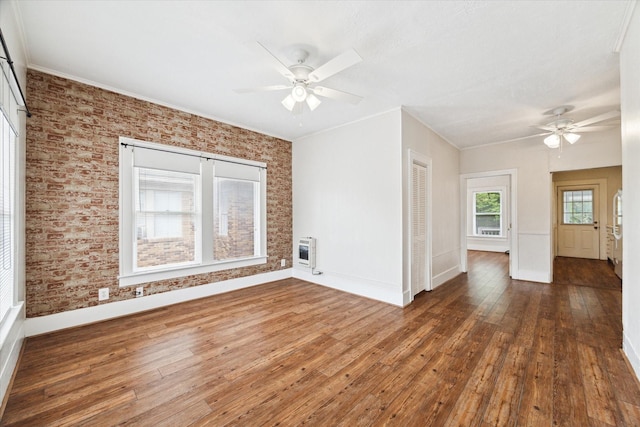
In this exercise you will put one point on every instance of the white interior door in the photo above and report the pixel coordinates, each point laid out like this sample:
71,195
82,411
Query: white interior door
418,228
578,225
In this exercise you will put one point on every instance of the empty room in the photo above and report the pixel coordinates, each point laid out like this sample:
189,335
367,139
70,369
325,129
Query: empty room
416,213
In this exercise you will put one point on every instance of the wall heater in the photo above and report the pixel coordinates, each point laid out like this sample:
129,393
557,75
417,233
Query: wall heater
307,252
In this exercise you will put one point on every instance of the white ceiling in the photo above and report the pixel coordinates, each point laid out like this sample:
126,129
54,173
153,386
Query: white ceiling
476,72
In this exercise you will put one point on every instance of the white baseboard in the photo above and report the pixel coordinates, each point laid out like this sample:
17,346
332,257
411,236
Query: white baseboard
632,355
534,276
406,298
366,288
445,276
82,316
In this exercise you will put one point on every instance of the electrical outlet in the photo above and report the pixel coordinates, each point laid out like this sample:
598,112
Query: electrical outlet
103,294
283,262
139,292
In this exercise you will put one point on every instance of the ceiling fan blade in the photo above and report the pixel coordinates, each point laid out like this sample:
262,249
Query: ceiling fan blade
592,128
336,94
544,127
262,89
596,119
335,65
280,67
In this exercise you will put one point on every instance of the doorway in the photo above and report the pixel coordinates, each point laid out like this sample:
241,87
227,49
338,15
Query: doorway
577,232
509,215
578,216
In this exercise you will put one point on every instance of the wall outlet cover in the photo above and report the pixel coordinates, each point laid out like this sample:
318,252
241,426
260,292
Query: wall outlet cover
103,294
283,262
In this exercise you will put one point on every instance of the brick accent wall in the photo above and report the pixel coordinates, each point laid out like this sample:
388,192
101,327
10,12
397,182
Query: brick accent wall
72,188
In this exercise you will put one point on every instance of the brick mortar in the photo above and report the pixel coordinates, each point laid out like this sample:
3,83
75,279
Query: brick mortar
72,188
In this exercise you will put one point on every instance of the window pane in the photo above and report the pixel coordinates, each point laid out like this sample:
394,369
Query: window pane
488,207
577,207
487,202
488,225
165,217
235,218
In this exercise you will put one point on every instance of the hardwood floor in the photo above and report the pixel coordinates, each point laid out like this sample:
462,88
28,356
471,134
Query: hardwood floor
585,272
479,350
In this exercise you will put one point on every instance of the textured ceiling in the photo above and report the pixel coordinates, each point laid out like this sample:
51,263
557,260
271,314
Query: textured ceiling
476,72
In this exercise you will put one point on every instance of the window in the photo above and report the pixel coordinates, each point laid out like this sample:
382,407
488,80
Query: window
577,207
7,166
7,196
487,213
7,210
184,212
165,212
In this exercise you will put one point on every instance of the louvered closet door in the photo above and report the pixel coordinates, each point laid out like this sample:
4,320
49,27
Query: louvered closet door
418,227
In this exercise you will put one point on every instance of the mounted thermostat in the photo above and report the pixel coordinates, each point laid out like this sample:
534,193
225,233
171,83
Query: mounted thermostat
307,252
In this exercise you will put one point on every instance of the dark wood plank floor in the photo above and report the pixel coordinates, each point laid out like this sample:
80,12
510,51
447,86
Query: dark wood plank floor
585,272
480,350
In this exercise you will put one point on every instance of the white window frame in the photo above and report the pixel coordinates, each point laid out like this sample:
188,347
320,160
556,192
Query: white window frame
9,256
475,214
205,263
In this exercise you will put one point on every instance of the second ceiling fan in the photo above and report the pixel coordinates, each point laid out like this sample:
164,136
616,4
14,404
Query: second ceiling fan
303,80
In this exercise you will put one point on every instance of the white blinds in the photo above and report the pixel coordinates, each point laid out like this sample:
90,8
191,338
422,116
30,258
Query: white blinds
7,194
224,169
165,160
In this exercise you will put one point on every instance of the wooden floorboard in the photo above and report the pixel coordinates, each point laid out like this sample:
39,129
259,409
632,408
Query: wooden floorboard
480,350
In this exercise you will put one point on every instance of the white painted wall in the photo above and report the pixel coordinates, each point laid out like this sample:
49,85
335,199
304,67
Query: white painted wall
445,192
593,150
12,330
534,162
488,243
347,193
630,107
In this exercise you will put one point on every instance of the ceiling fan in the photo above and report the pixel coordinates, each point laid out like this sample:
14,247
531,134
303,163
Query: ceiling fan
303,78
563,128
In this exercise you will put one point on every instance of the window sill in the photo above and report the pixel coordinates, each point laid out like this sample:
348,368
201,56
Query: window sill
154,276
487,236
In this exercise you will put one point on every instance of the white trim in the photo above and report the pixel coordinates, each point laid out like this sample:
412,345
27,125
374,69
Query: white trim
11,339
631,354
379,291
624,27
172,273
445,276
82,316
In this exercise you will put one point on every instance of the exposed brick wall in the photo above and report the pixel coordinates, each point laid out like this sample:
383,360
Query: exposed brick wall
72,188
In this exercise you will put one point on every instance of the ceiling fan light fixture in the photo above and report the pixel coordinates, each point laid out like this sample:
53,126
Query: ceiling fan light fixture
572,138
552,141
299,92
313,101
289,102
